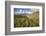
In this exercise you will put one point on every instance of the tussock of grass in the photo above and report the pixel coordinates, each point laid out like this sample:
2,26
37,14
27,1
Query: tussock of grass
24,21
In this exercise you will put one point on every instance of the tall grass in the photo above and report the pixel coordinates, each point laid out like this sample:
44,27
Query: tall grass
24,21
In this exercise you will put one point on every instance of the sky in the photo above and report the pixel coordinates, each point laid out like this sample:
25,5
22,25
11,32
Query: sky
24,10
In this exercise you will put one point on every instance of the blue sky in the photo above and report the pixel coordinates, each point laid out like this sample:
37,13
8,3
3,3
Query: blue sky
22,9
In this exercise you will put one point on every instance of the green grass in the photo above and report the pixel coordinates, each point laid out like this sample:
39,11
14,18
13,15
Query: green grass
24,21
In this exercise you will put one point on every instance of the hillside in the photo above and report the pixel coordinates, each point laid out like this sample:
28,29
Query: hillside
30,20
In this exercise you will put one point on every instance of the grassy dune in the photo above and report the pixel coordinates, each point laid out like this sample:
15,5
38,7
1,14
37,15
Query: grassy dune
31,20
